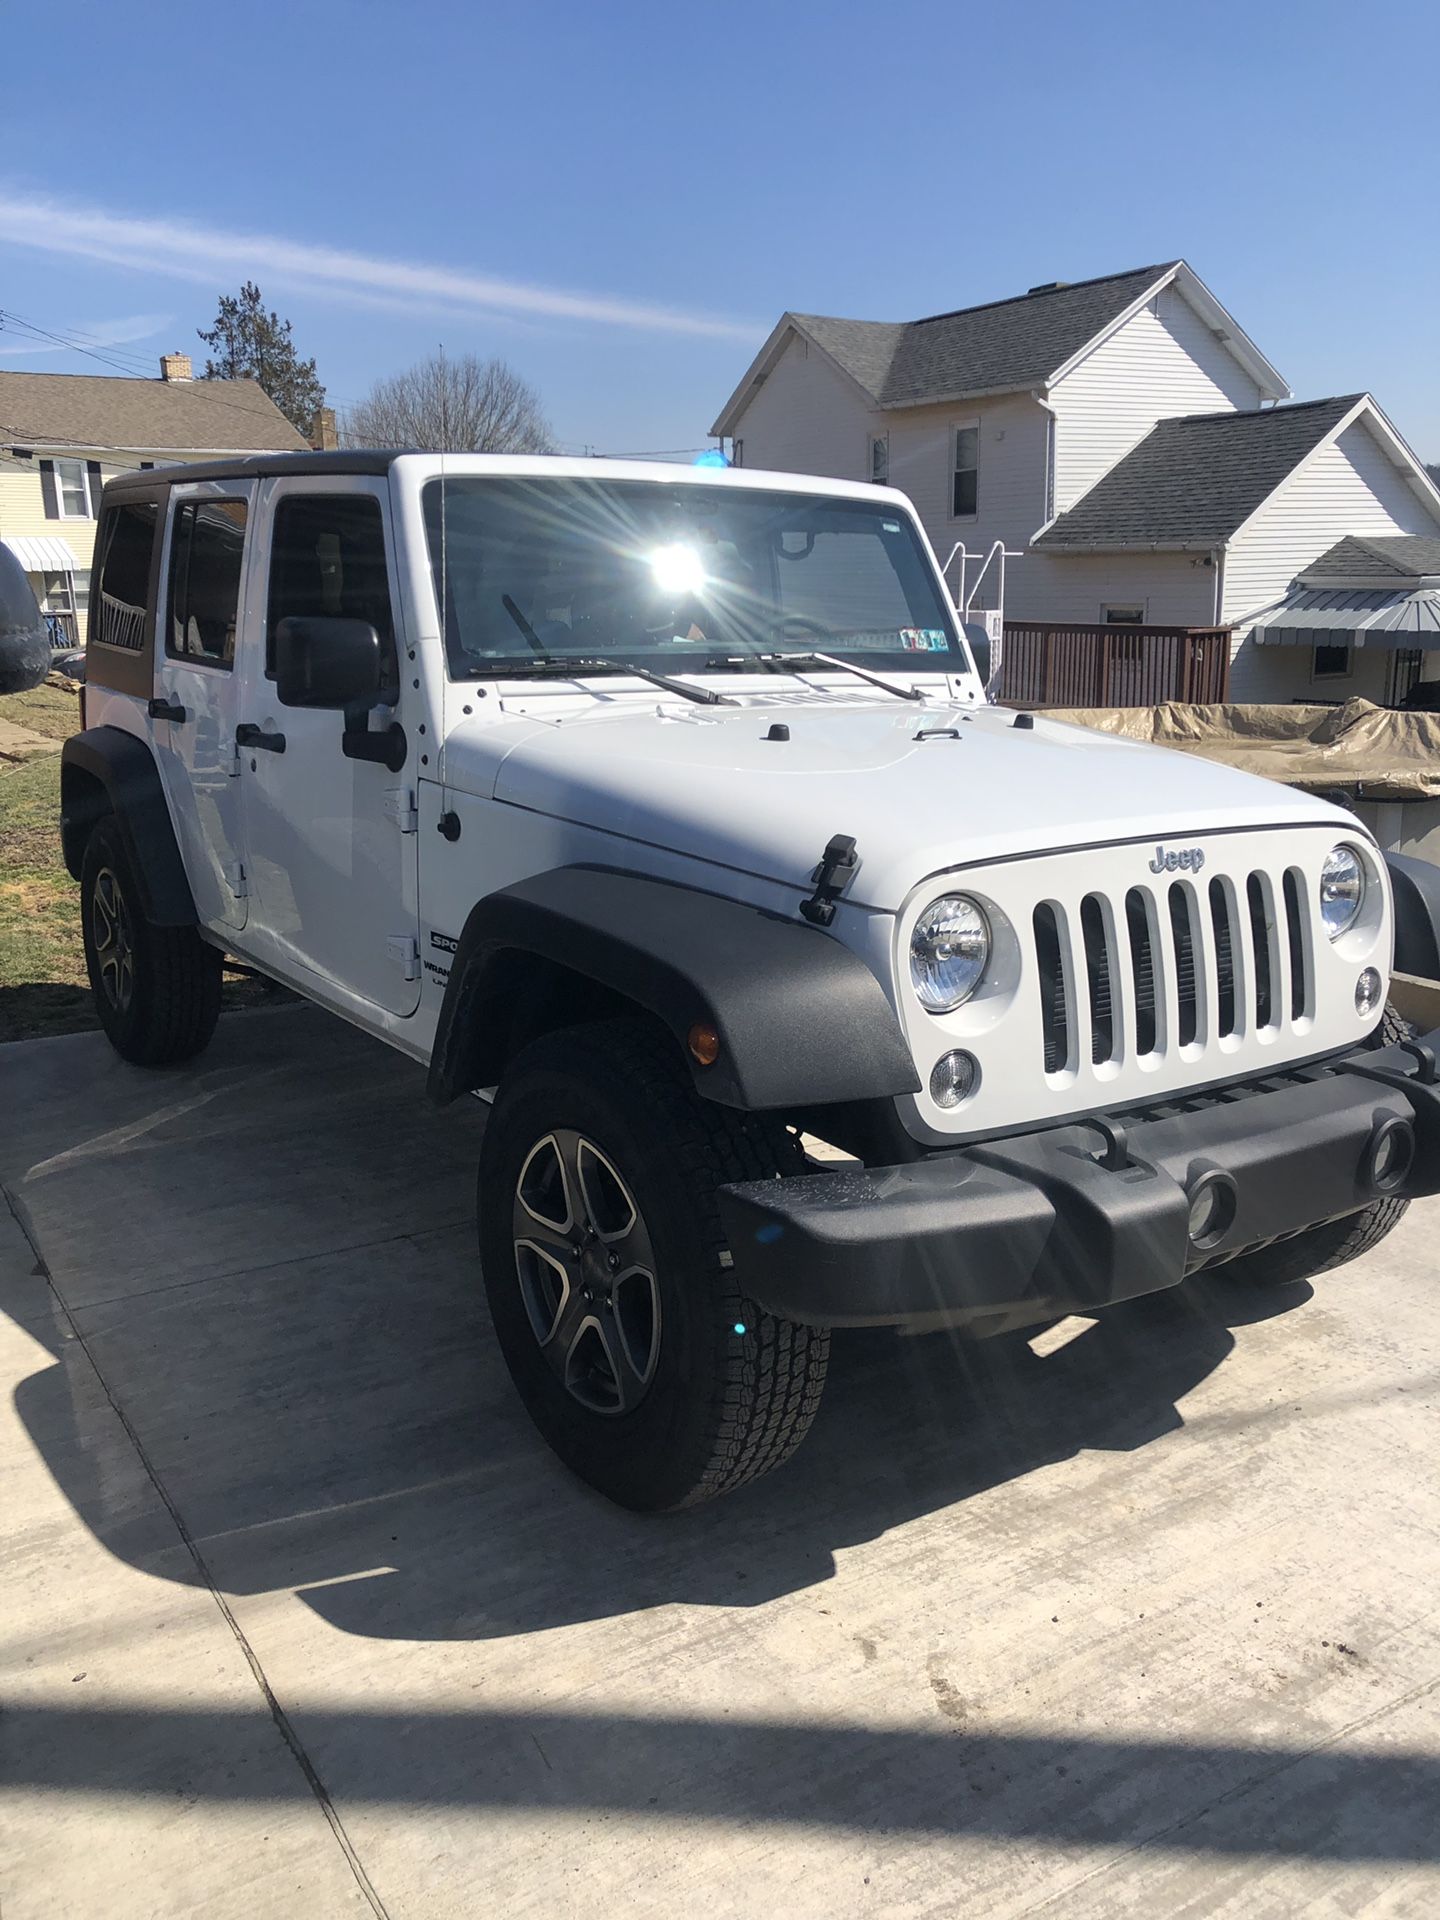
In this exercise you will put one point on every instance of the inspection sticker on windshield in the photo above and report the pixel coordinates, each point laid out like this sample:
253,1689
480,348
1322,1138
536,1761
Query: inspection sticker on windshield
923,639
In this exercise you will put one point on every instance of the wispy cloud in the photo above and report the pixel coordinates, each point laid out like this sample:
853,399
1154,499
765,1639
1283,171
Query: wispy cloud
187,251
103,333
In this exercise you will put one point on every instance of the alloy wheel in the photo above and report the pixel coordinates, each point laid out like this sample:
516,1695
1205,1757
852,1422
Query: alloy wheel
586,1269
114,940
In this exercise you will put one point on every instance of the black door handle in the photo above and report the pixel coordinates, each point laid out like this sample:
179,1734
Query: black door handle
159,709
247,734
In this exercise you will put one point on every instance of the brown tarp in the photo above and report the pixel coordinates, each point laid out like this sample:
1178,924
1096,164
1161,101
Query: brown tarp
1359,749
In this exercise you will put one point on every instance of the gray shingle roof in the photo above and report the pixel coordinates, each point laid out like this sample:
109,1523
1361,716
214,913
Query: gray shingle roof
1402,556
97,411
1194,480
994,348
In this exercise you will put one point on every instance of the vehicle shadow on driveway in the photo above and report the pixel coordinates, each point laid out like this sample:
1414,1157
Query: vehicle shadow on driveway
340,1423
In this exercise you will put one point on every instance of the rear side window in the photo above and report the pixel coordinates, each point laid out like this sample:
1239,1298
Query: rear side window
327,557
207,549
117,614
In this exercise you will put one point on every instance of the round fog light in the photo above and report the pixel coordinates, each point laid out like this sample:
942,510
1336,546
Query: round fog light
1212,1208
953,1078
1390,1155
1367,992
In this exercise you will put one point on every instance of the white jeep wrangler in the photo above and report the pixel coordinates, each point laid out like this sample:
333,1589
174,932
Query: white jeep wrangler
666,804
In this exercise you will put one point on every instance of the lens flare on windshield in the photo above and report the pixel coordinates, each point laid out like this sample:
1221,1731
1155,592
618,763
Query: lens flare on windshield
677,569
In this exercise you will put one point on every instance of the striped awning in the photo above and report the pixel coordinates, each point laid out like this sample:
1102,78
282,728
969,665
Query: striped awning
42,553
1353,617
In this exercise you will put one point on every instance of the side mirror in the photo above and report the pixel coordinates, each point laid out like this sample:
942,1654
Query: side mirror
979,638
325,661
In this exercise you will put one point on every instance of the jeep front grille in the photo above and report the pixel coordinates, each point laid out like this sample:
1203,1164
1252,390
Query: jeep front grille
1171,952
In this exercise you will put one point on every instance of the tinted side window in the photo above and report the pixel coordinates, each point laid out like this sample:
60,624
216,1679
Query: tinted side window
117,616
207,548
327,556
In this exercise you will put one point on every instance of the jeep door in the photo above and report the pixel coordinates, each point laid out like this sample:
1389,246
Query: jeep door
330,840
203,597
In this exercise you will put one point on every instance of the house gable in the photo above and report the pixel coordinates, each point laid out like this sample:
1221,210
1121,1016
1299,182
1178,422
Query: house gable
1361,479
1193,482
1162,361
804,415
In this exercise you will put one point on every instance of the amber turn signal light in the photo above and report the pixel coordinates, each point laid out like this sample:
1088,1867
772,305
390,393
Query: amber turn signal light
704,1044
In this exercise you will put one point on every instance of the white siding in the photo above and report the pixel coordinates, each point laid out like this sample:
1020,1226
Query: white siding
1010,491
1175,589
1164,361
808,418
1351,487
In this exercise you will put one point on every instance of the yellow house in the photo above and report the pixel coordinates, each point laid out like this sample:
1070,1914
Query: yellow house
62,435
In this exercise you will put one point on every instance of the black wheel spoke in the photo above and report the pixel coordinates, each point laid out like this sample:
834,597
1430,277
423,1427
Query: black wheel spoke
545,1193
114,944
610,1212
548,1289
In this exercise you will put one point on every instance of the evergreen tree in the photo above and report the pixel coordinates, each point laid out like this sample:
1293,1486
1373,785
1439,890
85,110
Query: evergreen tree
247,343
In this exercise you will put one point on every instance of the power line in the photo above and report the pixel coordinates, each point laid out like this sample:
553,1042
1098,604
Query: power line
33,330
212,398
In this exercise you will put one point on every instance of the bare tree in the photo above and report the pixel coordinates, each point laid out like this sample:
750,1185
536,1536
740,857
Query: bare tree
460,405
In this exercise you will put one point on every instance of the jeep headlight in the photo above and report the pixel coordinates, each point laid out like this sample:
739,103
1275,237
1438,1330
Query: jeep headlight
1342,890
949,951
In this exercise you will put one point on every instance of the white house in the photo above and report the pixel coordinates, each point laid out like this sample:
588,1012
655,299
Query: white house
1128,440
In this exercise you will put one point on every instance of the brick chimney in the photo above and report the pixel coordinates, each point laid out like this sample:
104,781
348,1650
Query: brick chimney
176,366
323,436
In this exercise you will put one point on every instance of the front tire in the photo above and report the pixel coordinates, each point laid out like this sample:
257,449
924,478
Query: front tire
1334,1243
608,1278
156,989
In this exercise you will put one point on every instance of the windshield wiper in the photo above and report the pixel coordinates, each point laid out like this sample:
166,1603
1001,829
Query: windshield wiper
559,664
846,666
569,667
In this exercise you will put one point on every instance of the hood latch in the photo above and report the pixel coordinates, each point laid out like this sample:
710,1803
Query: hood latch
838,857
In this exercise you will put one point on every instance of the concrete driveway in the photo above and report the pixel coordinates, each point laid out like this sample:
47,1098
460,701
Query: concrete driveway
300,1618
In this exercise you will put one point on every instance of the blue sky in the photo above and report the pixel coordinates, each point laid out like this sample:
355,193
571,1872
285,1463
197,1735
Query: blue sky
620,199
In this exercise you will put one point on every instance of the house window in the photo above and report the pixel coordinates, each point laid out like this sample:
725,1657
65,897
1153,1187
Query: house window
965,473
737,453
1407,665
1129,615
71,489
1331,663
880,459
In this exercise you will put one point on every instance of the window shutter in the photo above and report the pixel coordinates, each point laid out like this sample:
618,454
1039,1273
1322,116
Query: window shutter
97,481
47,487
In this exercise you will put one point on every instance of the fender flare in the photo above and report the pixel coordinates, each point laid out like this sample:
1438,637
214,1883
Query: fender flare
126,773
1415,885
802,1020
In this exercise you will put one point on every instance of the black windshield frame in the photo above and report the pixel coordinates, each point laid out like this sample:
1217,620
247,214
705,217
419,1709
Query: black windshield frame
509,544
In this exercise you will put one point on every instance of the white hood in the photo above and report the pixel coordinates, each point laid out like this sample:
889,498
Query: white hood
707,783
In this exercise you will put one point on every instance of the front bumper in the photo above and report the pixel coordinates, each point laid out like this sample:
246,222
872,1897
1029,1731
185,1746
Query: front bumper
1012,1231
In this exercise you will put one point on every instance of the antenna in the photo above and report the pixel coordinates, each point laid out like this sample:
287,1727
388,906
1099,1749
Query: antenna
444,516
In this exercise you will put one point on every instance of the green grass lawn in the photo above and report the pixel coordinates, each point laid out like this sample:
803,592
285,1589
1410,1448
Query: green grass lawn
53,711
42,966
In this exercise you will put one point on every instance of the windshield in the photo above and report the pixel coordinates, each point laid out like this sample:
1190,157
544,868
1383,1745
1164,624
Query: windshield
677,577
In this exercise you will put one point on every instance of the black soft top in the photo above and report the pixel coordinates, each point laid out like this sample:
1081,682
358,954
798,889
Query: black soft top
257,466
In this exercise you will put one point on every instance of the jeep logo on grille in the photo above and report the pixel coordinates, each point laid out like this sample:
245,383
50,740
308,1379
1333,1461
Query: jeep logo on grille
1178,860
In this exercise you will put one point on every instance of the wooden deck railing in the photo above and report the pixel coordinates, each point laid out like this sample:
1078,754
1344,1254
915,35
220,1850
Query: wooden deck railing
1052,663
